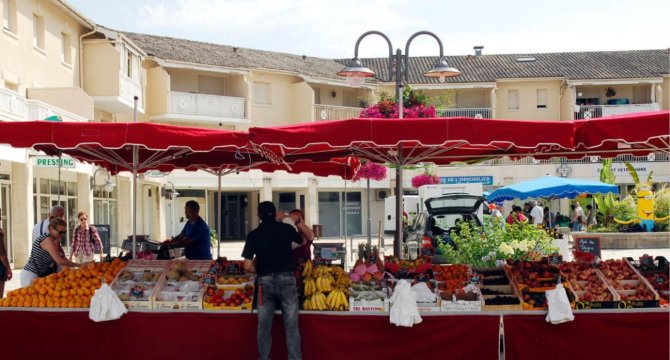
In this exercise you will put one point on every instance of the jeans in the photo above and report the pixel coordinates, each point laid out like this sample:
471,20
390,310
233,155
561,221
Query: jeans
278,290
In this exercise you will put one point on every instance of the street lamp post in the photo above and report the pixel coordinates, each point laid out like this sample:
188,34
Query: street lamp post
356,74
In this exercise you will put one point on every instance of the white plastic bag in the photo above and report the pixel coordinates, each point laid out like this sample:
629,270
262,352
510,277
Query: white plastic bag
559,306
423,293
105,305
403,309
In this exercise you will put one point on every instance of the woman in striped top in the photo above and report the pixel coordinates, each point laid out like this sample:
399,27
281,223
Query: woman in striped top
46,254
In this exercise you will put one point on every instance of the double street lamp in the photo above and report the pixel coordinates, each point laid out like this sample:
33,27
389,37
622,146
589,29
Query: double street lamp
398,70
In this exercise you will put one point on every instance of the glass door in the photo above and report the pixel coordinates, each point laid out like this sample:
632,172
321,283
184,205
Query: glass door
5,220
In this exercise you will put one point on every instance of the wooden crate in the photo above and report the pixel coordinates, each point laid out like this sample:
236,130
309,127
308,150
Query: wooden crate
141,265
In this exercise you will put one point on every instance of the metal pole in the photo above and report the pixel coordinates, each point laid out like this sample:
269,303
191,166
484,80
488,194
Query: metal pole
397,243
398,82
135,161
369,216
218,221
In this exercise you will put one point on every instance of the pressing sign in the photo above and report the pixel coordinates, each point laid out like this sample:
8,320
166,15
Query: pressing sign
589,245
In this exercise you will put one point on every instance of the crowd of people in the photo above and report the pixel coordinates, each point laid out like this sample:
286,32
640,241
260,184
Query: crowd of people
532,212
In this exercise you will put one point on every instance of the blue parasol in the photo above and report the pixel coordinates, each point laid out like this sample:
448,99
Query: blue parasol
550,187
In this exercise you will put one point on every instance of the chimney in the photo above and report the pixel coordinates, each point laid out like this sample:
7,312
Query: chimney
478,50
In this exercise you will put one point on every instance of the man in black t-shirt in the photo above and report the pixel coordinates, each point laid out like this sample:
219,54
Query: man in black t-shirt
270,243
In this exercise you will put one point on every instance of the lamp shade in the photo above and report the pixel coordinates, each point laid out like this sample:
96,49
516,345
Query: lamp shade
356,69
442,70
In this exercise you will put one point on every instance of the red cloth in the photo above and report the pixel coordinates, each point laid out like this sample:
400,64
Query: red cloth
181,336
618,335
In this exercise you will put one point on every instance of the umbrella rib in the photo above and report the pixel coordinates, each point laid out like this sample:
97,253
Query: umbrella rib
373,153
155,159
106,155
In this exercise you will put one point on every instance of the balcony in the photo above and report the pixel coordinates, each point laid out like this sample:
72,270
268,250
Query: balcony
38,110
477,113
186,107
12,106
331,112
598,111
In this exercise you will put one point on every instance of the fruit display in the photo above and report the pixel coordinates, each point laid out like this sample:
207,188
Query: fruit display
656,272
626,281
451,277
135,285
70,288
497,291
321,280
533,278
228,298
181,286
225,272
590,289
406,269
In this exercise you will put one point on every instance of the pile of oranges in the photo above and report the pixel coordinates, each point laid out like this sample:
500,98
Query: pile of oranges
70,288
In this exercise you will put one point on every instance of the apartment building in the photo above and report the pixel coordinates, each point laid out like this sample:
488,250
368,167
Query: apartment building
60,65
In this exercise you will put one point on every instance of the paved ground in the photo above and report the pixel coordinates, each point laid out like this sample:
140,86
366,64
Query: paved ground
233,249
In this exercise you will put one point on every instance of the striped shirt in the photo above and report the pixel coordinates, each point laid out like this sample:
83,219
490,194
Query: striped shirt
81,241
40,261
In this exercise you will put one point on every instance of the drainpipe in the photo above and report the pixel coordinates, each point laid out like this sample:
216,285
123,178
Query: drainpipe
560,97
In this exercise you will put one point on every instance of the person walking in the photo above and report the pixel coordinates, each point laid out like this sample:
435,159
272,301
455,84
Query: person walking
536,213
85,240
590,216
267,252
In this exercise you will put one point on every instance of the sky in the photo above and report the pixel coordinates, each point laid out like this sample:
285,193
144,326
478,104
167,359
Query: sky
329,29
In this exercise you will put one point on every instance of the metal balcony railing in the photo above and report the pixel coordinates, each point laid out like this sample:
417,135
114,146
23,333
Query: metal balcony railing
598,111
331,112
182,103
477,113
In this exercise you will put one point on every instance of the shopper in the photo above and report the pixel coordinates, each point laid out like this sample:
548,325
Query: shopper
301,253
536,213
195,237
5,269
549,220
516,216
577,217
42,227
267,252
85,240
46,254
590,216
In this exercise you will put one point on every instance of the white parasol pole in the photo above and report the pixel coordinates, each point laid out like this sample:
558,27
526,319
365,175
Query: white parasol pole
369,215
135,161
397,244
218,220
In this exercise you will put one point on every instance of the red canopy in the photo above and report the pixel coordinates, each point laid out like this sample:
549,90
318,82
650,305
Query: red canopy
407,141
636,134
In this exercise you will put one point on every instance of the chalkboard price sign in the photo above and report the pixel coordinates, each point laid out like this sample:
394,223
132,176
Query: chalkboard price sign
589,244
104,232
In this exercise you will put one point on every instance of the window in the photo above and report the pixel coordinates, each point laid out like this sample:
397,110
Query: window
642,94
67,48
317,96
332,213
261,93
513,99
541,98
38,31
129,64
9,15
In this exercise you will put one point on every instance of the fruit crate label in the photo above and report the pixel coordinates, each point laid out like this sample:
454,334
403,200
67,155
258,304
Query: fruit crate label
591,305
634,304
475,279
555,259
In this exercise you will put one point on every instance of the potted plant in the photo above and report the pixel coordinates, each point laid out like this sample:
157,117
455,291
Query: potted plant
609,92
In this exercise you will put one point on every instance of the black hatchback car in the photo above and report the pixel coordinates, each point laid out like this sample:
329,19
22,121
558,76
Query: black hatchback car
442,215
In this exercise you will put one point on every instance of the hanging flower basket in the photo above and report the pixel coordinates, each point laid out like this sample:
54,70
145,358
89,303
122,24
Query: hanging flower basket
425,179
372,171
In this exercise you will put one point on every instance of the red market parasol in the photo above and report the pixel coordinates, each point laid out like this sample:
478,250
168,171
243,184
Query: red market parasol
412,141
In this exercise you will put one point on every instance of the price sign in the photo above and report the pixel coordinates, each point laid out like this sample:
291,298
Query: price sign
590,244
555,259
475,279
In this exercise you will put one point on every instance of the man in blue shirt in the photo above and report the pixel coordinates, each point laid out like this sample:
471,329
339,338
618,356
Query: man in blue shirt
194,238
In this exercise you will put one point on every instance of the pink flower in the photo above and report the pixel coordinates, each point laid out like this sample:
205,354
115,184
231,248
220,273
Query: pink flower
370,171
425,179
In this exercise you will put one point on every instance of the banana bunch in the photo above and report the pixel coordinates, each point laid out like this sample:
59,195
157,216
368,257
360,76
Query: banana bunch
307,270
315,302
321,270
310,286
337,300
343,281
324,283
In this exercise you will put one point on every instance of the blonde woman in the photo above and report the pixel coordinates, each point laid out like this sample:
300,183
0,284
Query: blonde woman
85,240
